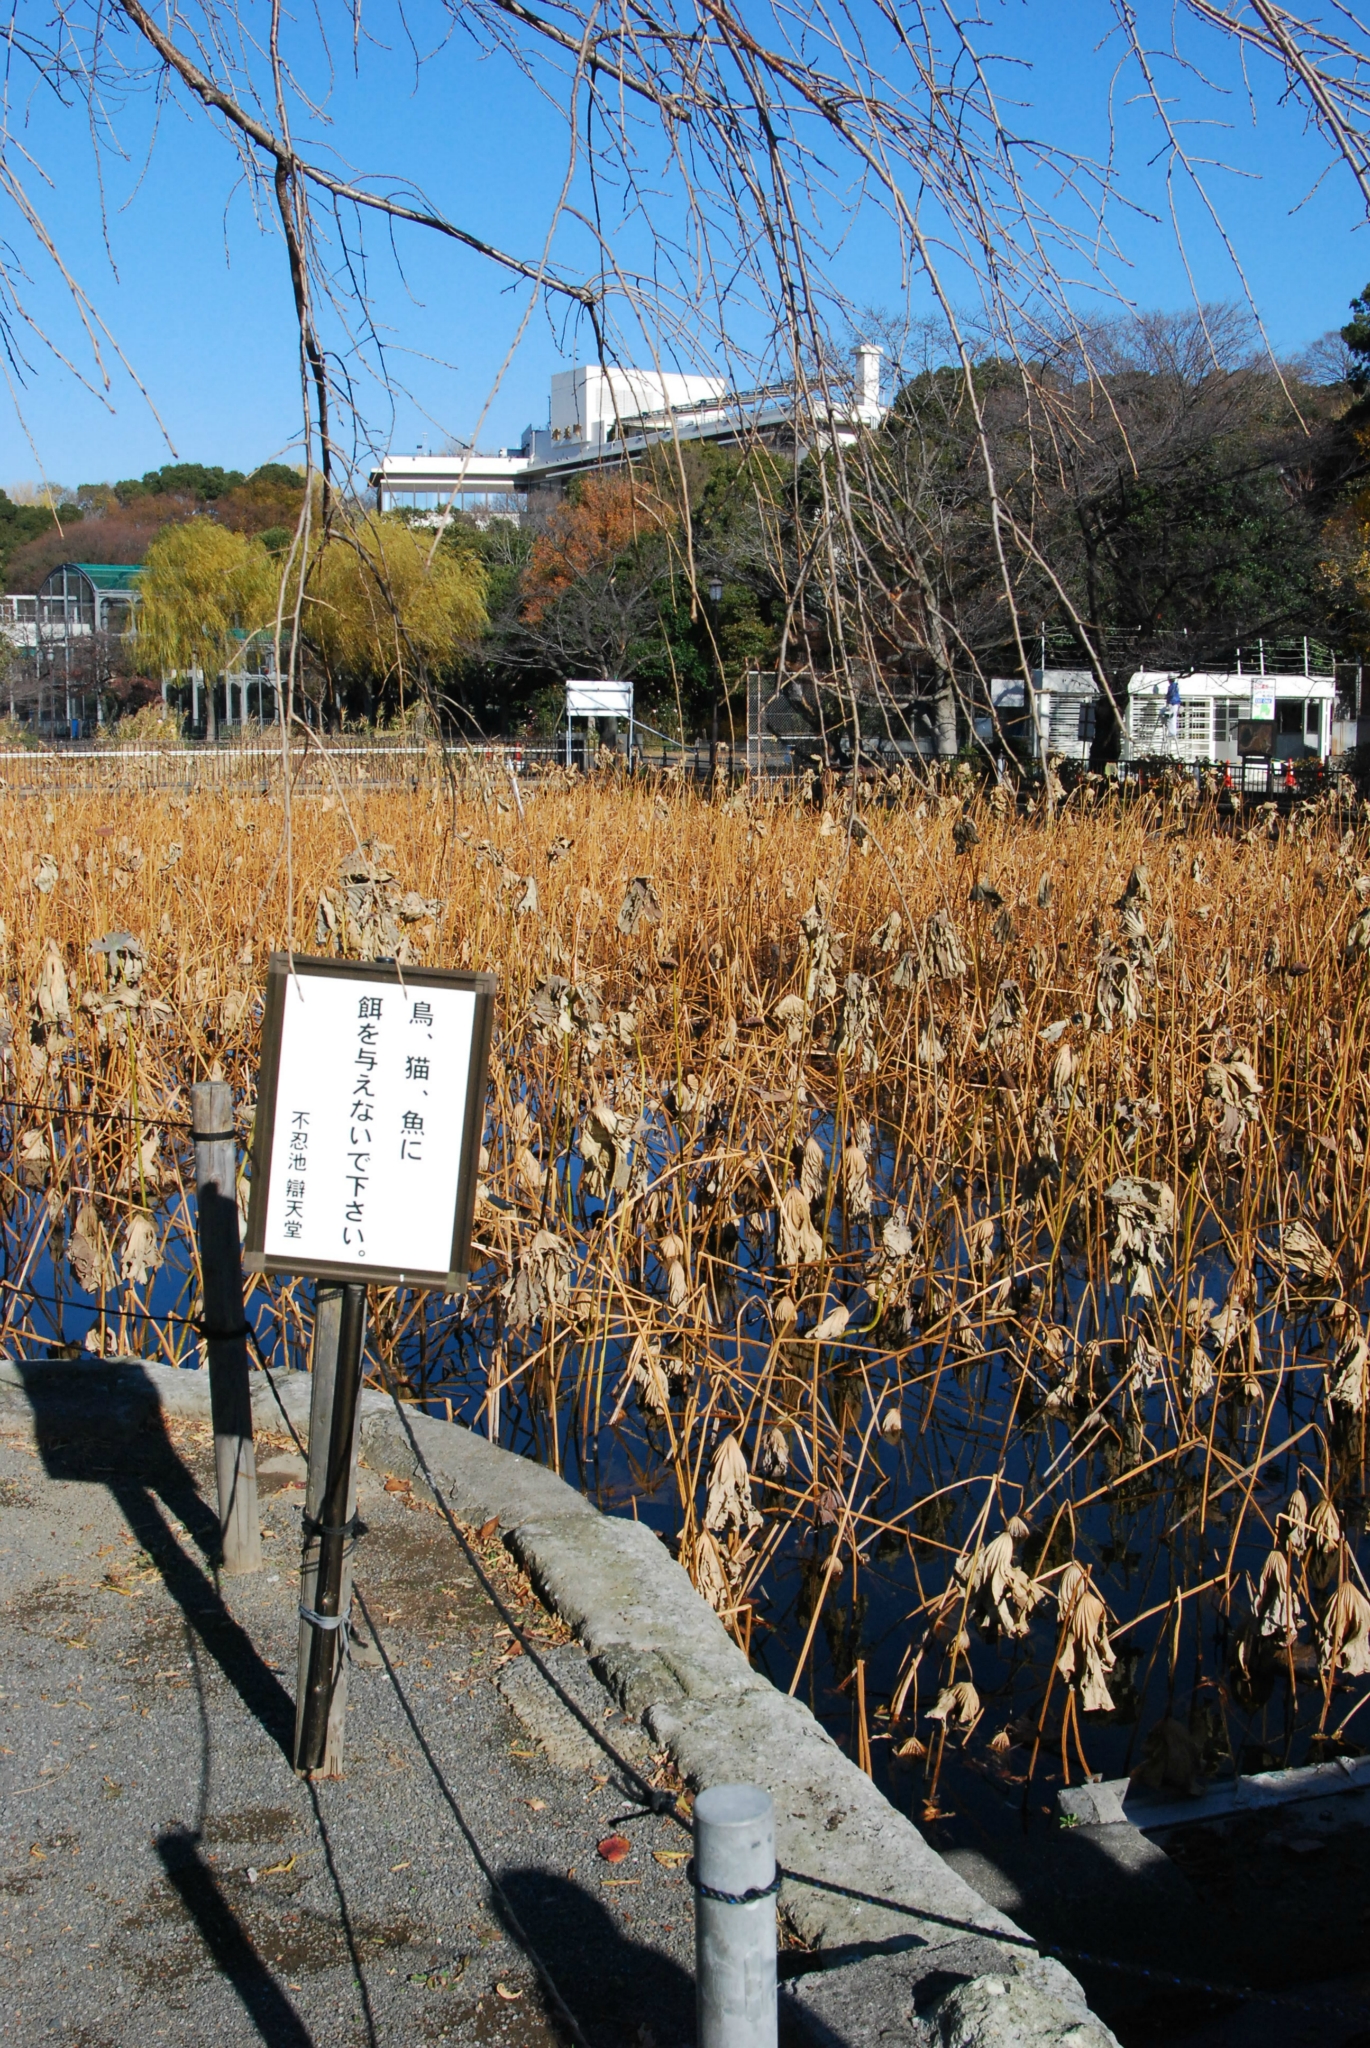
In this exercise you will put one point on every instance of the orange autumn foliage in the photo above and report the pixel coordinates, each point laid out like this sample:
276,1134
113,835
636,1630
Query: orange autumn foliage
586,535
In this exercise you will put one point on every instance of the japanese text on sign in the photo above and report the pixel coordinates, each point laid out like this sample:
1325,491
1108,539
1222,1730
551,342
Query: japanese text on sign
370,1098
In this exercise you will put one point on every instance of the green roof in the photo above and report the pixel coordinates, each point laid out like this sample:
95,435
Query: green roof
109,575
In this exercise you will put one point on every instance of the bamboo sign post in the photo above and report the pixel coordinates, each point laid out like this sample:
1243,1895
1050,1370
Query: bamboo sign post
370,1105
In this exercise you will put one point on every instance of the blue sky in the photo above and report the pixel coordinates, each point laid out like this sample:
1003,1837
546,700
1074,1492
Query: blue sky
197,296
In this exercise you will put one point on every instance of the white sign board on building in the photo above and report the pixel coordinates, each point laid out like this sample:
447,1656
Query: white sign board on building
599,699
370,1104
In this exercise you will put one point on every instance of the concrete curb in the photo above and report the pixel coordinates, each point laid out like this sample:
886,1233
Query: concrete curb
911,1953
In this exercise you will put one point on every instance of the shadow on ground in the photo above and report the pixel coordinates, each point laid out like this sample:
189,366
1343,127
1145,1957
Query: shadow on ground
113,1429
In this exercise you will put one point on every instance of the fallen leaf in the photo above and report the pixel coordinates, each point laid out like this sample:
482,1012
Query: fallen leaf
671,1859
614,1848
507,1993
485,1532
399,1866
278,1869
536,1805
394,1485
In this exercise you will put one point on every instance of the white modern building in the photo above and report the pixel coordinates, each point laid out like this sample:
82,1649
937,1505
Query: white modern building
599,416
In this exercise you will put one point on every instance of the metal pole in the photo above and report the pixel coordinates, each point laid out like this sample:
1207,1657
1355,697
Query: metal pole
225,1330
330,1508
734,1877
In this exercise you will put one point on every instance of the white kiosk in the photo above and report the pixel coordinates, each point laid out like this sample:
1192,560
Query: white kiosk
601,698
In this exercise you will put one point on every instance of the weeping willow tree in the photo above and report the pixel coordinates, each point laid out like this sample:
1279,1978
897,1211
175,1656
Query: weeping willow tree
204,591
385,608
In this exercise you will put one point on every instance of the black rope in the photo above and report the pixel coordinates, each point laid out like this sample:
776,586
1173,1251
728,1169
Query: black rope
109,1116
516,1926
1244,1995
747,1898
519,1932
139,1315
355,1528
654,1798
276,1393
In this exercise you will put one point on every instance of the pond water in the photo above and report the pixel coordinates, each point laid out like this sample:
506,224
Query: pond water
942,1416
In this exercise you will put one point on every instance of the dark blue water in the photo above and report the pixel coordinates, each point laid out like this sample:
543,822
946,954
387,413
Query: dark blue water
978,1445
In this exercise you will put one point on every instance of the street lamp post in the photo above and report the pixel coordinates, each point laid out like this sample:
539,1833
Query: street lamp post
715,589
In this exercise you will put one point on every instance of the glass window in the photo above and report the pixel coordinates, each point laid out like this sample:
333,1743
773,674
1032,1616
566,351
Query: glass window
1310,718
1227,713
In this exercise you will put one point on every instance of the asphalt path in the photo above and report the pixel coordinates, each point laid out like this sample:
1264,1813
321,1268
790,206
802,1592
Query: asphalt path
166,1877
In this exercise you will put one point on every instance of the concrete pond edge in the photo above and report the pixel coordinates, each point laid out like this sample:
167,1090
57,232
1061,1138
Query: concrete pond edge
908,1952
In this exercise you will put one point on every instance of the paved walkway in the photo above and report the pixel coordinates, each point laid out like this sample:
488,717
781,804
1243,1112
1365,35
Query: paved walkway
164,1875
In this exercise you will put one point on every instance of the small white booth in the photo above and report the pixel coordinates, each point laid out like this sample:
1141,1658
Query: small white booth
1227,717
601,698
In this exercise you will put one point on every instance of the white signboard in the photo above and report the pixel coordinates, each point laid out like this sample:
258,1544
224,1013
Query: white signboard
601,699
371,1101
1262,698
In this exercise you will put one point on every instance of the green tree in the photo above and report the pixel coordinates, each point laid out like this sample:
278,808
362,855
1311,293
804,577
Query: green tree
203,589
1176,521
22,523
382,614
1356,335
204,481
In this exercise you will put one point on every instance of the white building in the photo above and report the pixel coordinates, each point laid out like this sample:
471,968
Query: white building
598,415
592,407
1229,715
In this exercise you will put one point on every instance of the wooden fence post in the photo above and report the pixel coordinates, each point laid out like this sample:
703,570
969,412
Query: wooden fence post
330,1509
221,1268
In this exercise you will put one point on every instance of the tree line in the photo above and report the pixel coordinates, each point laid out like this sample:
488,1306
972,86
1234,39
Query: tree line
1156,491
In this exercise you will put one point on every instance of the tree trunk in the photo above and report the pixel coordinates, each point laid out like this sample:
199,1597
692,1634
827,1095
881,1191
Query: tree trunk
944,720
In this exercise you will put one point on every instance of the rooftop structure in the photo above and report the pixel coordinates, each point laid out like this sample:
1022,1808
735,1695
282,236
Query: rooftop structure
73,598
598,416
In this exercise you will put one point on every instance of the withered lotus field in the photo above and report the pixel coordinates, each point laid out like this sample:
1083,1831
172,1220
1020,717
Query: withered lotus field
945,1224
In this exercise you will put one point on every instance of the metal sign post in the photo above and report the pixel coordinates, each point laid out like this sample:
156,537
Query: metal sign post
370,1105
330,1520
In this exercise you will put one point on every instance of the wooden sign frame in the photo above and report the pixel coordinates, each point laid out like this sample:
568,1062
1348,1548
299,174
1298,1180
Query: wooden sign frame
381,974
